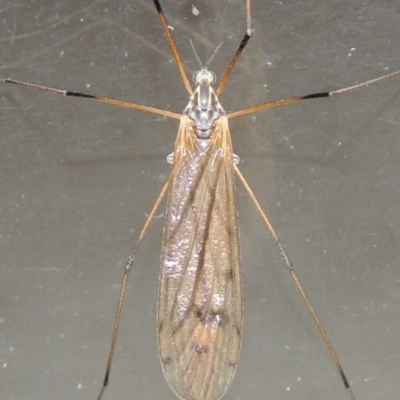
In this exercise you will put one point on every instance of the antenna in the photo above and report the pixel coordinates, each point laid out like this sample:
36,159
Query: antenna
214,54
207,64
195,53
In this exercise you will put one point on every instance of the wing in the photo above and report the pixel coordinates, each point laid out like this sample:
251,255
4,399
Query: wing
200,302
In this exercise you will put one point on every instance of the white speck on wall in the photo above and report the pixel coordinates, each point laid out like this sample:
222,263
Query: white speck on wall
195,11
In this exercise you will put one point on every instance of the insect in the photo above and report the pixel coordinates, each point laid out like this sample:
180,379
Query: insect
218,320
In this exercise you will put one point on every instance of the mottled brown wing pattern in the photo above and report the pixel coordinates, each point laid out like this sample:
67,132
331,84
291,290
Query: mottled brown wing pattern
200,302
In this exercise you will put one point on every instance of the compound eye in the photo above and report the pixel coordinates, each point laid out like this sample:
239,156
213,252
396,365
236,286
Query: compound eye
213,77
195,76
204,76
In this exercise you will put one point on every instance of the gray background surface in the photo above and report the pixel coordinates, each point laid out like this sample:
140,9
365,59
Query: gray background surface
78,177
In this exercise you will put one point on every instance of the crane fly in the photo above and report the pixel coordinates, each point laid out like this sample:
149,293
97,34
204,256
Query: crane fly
200,296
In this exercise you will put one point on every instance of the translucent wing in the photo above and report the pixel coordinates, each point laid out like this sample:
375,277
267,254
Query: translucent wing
200,302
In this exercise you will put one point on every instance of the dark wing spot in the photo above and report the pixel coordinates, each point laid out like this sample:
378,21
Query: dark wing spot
167,360
238,330
229,275
232,364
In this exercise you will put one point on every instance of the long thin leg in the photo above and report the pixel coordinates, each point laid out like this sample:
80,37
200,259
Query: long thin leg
173,46
128,266
289,265
102,99
239,51
316,95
